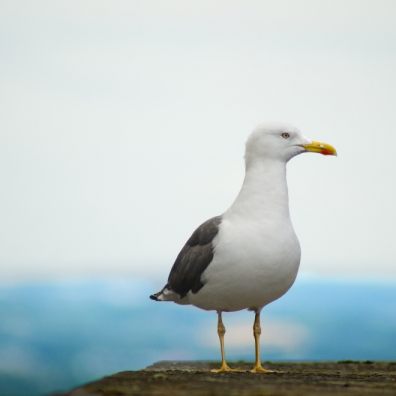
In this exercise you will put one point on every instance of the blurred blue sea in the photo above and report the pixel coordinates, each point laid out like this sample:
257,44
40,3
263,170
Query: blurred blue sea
55,335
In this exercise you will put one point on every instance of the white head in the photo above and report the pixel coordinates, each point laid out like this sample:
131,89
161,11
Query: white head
280,142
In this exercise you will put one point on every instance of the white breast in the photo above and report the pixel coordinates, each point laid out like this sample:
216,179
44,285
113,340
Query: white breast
251,267
256,251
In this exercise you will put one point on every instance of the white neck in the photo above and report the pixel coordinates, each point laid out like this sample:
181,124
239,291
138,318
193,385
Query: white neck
264,192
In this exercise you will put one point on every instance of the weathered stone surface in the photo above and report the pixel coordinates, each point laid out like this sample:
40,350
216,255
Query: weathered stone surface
292,379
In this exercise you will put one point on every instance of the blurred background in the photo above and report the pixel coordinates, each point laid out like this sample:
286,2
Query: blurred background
122,128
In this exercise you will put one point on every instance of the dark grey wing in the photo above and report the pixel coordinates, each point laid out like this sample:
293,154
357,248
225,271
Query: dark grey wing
194,258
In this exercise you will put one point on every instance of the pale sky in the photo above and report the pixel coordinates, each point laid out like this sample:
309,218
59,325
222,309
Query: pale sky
123,126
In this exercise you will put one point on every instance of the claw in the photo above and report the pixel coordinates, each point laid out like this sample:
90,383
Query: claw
225,368
260,369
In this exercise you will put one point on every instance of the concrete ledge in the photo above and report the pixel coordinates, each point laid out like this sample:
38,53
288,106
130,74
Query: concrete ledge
293,379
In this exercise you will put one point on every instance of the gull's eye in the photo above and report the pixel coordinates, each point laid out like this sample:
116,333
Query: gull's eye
285,135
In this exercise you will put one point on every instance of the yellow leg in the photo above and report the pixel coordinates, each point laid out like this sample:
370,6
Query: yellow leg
258,368
224,368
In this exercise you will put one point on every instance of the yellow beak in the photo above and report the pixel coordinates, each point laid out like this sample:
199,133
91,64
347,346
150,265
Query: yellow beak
319,147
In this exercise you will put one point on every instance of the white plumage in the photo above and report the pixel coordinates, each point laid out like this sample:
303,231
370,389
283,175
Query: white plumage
249,256
256,252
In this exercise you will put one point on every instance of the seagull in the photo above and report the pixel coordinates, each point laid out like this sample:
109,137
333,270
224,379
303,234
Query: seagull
249,256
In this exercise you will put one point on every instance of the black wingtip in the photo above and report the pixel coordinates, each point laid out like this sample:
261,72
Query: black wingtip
154,297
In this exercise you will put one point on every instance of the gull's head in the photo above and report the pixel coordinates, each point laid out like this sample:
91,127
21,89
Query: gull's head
281,142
